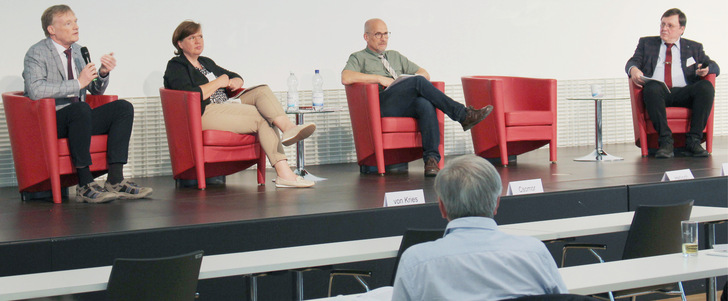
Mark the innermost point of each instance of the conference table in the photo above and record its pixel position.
(245, 263)
(618, 275)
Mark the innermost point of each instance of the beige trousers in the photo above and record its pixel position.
(255, 115)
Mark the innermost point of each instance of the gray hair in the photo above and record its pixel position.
(47, 18)
(468, 186)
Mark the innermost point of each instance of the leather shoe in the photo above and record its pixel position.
(473, 116)
(697, 150)
(431, 167)
(299, 182)
(665, 151)
(297, 133)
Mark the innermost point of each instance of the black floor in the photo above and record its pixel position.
(345, 190)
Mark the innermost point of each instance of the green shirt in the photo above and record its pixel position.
(368, 62)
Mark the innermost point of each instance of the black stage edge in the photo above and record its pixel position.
(239, 216)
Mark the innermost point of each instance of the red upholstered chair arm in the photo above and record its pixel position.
(184, 126)
(366, 121)
(95, 101)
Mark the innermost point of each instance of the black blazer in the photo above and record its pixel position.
(648, 48)
(181, 75)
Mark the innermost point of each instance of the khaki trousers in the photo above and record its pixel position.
(255, 115)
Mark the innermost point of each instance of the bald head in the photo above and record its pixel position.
(370, 24)
(376, 35)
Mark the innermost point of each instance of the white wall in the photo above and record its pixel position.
(263, 40)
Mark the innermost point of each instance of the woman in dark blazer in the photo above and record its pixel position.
(259, 111)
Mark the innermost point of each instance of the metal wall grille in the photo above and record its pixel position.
(333, 143)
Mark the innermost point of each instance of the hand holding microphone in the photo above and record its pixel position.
(87, 58)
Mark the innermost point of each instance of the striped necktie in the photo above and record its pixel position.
(388, 66)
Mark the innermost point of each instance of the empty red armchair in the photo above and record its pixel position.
(524, 115)
(381, 141)
(42, 161)
(678, 119)
(198, 154)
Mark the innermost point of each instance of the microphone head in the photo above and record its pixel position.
(86, 56)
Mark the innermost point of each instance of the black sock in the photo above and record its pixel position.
(116, 173)
(84, 176)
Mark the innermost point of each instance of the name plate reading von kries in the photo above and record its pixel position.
(525, 187)
(677, 175)
(403, 198)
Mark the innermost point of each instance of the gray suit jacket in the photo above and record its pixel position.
(45, 74)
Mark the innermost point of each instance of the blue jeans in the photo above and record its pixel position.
(417, 98)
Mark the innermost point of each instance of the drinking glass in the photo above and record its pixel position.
(689, 238)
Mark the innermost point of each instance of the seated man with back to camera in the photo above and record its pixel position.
(415, 97)
(55, 68)
(474, 261)
(680, 64)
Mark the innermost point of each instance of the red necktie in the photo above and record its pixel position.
(668, 65)
(70, 69)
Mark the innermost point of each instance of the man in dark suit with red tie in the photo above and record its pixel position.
(681, 64)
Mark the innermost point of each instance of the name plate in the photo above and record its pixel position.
(403, 198)
(525, 187)
(677, 175)
(724, 170)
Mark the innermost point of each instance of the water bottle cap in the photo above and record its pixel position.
(317, 71)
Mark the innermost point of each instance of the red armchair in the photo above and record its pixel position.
(524, 115)
(198, 154)
(42, 161)
(381, 141)
(678, 119)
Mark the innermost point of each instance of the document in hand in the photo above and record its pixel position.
(400, 79)
(647, 79)
(237, 93)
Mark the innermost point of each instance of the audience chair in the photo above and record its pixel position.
(655, 230)
(198, 154)
(42, 161)
(678, 119)
(382, 141)
(554, 297)
(524, 115)
(169, 278)
(410, 238)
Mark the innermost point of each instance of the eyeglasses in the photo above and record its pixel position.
(380, 35)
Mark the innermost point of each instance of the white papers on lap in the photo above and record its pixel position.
(647, 79)
(400, 79)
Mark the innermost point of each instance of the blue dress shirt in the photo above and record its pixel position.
(475, 261)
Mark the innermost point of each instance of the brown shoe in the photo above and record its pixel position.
(431, 167)
(473, 116)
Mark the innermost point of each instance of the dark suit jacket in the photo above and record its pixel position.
(648, 48)
(45, 74)
(181, 75)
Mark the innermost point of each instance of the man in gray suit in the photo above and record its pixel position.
(55, 68)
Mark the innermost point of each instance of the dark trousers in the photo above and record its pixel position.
(697, 96)
(416, 97)
(78, 122)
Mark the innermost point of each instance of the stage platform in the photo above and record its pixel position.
(38, 236)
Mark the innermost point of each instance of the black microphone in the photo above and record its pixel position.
(86, 56)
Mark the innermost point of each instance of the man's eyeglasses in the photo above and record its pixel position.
(380, 35)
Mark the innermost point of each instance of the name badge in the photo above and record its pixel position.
(525, 187)
(403, 198)
(677, 175)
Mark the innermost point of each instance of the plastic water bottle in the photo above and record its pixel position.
(292, 99)
(318, 91)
